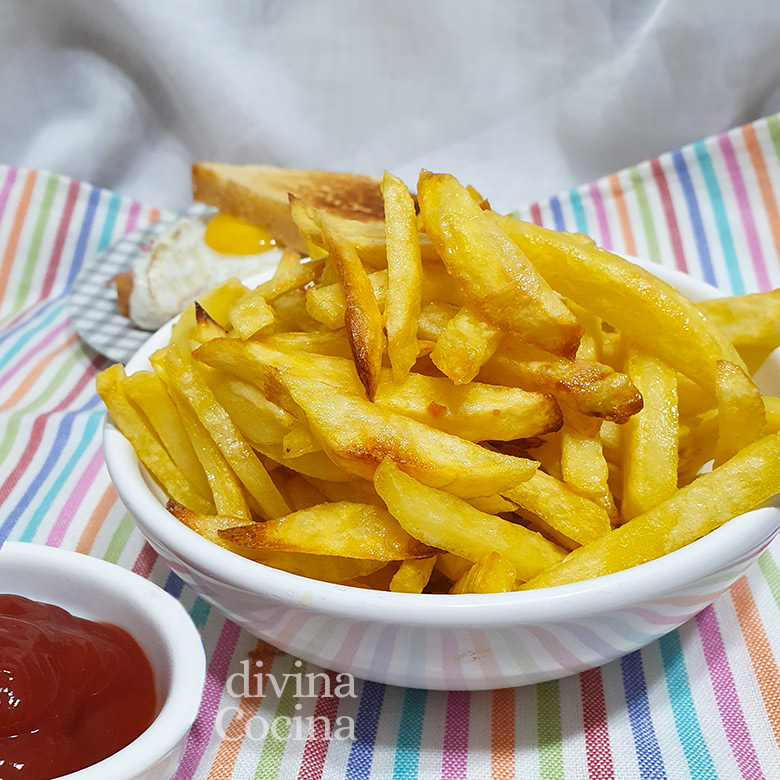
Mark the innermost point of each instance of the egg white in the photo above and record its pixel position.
(180, 266)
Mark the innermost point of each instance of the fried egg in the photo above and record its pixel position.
(192, 256)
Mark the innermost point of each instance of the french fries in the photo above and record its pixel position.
(456, 403)
(495, 276)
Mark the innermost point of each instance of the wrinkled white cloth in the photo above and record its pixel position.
(521, 99)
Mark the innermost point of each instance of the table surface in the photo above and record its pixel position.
(704, 701)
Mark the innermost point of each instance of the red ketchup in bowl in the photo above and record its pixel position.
(72, 691)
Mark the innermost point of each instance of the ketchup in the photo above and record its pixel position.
(72, 691)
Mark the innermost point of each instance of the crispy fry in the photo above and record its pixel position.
(335, 344)
(291, 274)
(227, 436)
(413, 575)
(363, 319)
(559, 507)
(261, 421)
(404, 276)
(492, 574)
(357, 435)
(476, 411)
(749, 478)
(772, 408)
(584, 468)
(327, 304)
(328, 568)
(147, 391)
(650, 445)
(343, 529)
(137, 431)
(750, 322)
(447, 522)
(494, 275)
(464, 346)
(741, 415)
(229, 495)
(593, 389)
(655, 315)
(251, 314)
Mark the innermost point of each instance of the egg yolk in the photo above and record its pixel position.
(230, 235)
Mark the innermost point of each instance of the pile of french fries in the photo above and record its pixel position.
(466, 403)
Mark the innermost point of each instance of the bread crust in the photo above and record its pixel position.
(259, 194)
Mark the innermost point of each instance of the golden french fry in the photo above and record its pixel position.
(594, 389)
(290, 313)
(697, 449)
(585, 469)
(253, 361)
(251, 314)
(357, 435)
(741, 414)
(363, 319)
(302, 494)
(226, 435)
(742, 483)
(651, 437)
(314, 464)
(464, 346)
(334, 344)
(433, 319)
(447, 522)
(342, 528)
(368, 237)
(492, 574)
(404, 276)
(328, 568)
(261, 422)
(560, 508)
(493, 273)
(291, 274)
(207, 526)
(150, 451)
(229, 496)
(492, 505)
(476, 411)
(413, 575)
(219, 301)
(149, 393)
(358, 491)
(299, 441)
(750, 322)
(452, 566)
(772, 408)
(327, 304)
(652, 313)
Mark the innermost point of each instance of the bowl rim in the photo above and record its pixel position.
(166, 618)
(681, 567)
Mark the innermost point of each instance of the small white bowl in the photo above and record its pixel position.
(97, 590)
(450, 641)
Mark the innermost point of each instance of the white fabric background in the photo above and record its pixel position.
(521, 99)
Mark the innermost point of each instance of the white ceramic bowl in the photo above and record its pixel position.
(97, 590)
(447, 641)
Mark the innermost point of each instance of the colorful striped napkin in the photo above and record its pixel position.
(703, 702)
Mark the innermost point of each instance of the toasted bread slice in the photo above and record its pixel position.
(259, 194)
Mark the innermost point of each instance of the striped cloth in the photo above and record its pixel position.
(703, 702)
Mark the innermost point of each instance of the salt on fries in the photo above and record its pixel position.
(465, 404)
